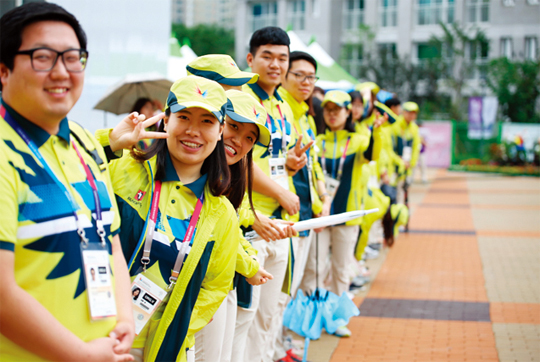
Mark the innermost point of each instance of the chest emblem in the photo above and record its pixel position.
(139, 195)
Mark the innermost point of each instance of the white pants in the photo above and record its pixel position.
(253, 333)
(214, 341)
(339, 242)
(301, 246)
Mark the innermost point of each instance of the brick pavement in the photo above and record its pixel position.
(462, 285)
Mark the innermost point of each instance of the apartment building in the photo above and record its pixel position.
(403, 27)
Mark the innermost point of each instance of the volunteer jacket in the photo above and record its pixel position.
(208, 270)
(349, 195)
(406, 135)
(303, 124)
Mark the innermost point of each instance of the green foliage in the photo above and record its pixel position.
(206, 39)
(517, 86)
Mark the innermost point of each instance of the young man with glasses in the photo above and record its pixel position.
(308, 182)
(59, 219)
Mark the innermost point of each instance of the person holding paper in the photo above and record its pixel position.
(59, 224)
(269, 57)
(341, 157)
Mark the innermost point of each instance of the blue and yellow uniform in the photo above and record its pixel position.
(406, 135)
(349, 195)
(207, 274)
(278, 112)
(38, 225)
(303, 124)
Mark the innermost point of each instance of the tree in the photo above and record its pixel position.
(206, 39)
(517, 87)
(452, 45)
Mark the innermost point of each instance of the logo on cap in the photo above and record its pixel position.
(256, 114)
(203, 94)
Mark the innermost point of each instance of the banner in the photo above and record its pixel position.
(438, 141)
(482, 115)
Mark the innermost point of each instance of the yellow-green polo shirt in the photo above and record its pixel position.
(37, 223)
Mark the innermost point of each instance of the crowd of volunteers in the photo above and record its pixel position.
(171, 237)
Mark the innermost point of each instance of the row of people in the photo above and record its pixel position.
(95, 235)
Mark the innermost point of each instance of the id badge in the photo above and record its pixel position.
(278, 172)
(146, 297)
(372, 182)
(407, 153)
(332, 186)
(97, 272)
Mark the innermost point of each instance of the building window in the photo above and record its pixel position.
(478, 56)
(263, 15)
(297, 14)
(387, 51)
(478, 11)
(442, 58)
(531, 48)
(388, 13)
(435, 11)
(506, 48)
(352, 58)
(353, 14)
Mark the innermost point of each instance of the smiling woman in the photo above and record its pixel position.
(182, 234)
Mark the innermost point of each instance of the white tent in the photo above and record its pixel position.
(179, 57)
(332, 75)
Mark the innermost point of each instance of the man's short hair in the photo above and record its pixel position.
(270, 35)
(13, 22)
(392, 102)
(297, 55)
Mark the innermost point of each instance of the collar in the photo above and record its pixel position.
(256, 88)
(299, 109)
(196, 186)
(37, 134)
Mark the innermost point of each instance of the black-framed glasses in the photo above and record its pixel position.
(44, 59)
(302, 77)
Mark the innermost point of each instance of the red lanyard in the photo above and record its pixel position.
(341, 161)
(145, 260)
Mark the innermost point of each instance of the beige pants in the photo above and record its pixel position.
(301, 247)
(253, 332)
(337, 242)
(214, 341)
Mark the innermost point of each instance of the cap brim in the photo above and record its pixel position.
(194, 104)
(382, 108)
(236, 80)
(264, 134)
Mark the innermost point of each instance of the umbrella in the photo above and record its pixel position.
(120, 97)
(308, 314)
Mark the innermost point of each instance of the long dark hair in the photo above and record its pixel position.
(241, 178)
(215, 165)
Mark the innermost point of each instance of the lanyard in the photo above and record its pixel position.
(309, 166)
(89, 176)
(150, 230)
(341, 161)
(283, 132)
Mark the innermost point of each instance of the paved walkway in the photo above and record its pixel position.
(462, 285)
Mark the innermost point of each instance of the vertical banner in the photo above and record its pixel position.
(475, 117)
(482, 116)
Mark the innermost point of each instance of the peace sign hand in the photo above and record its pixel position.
(297, 157)
(132, 129)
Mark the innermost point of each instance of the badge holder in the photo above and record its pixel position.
(146, 296)
(98, 277)
(332, 186)
(278, 172)
(407, 153)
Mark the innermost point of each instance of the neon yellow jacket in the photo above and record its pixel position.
(406, 134)
(208, 271)
(349, 196)
(304, 125)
